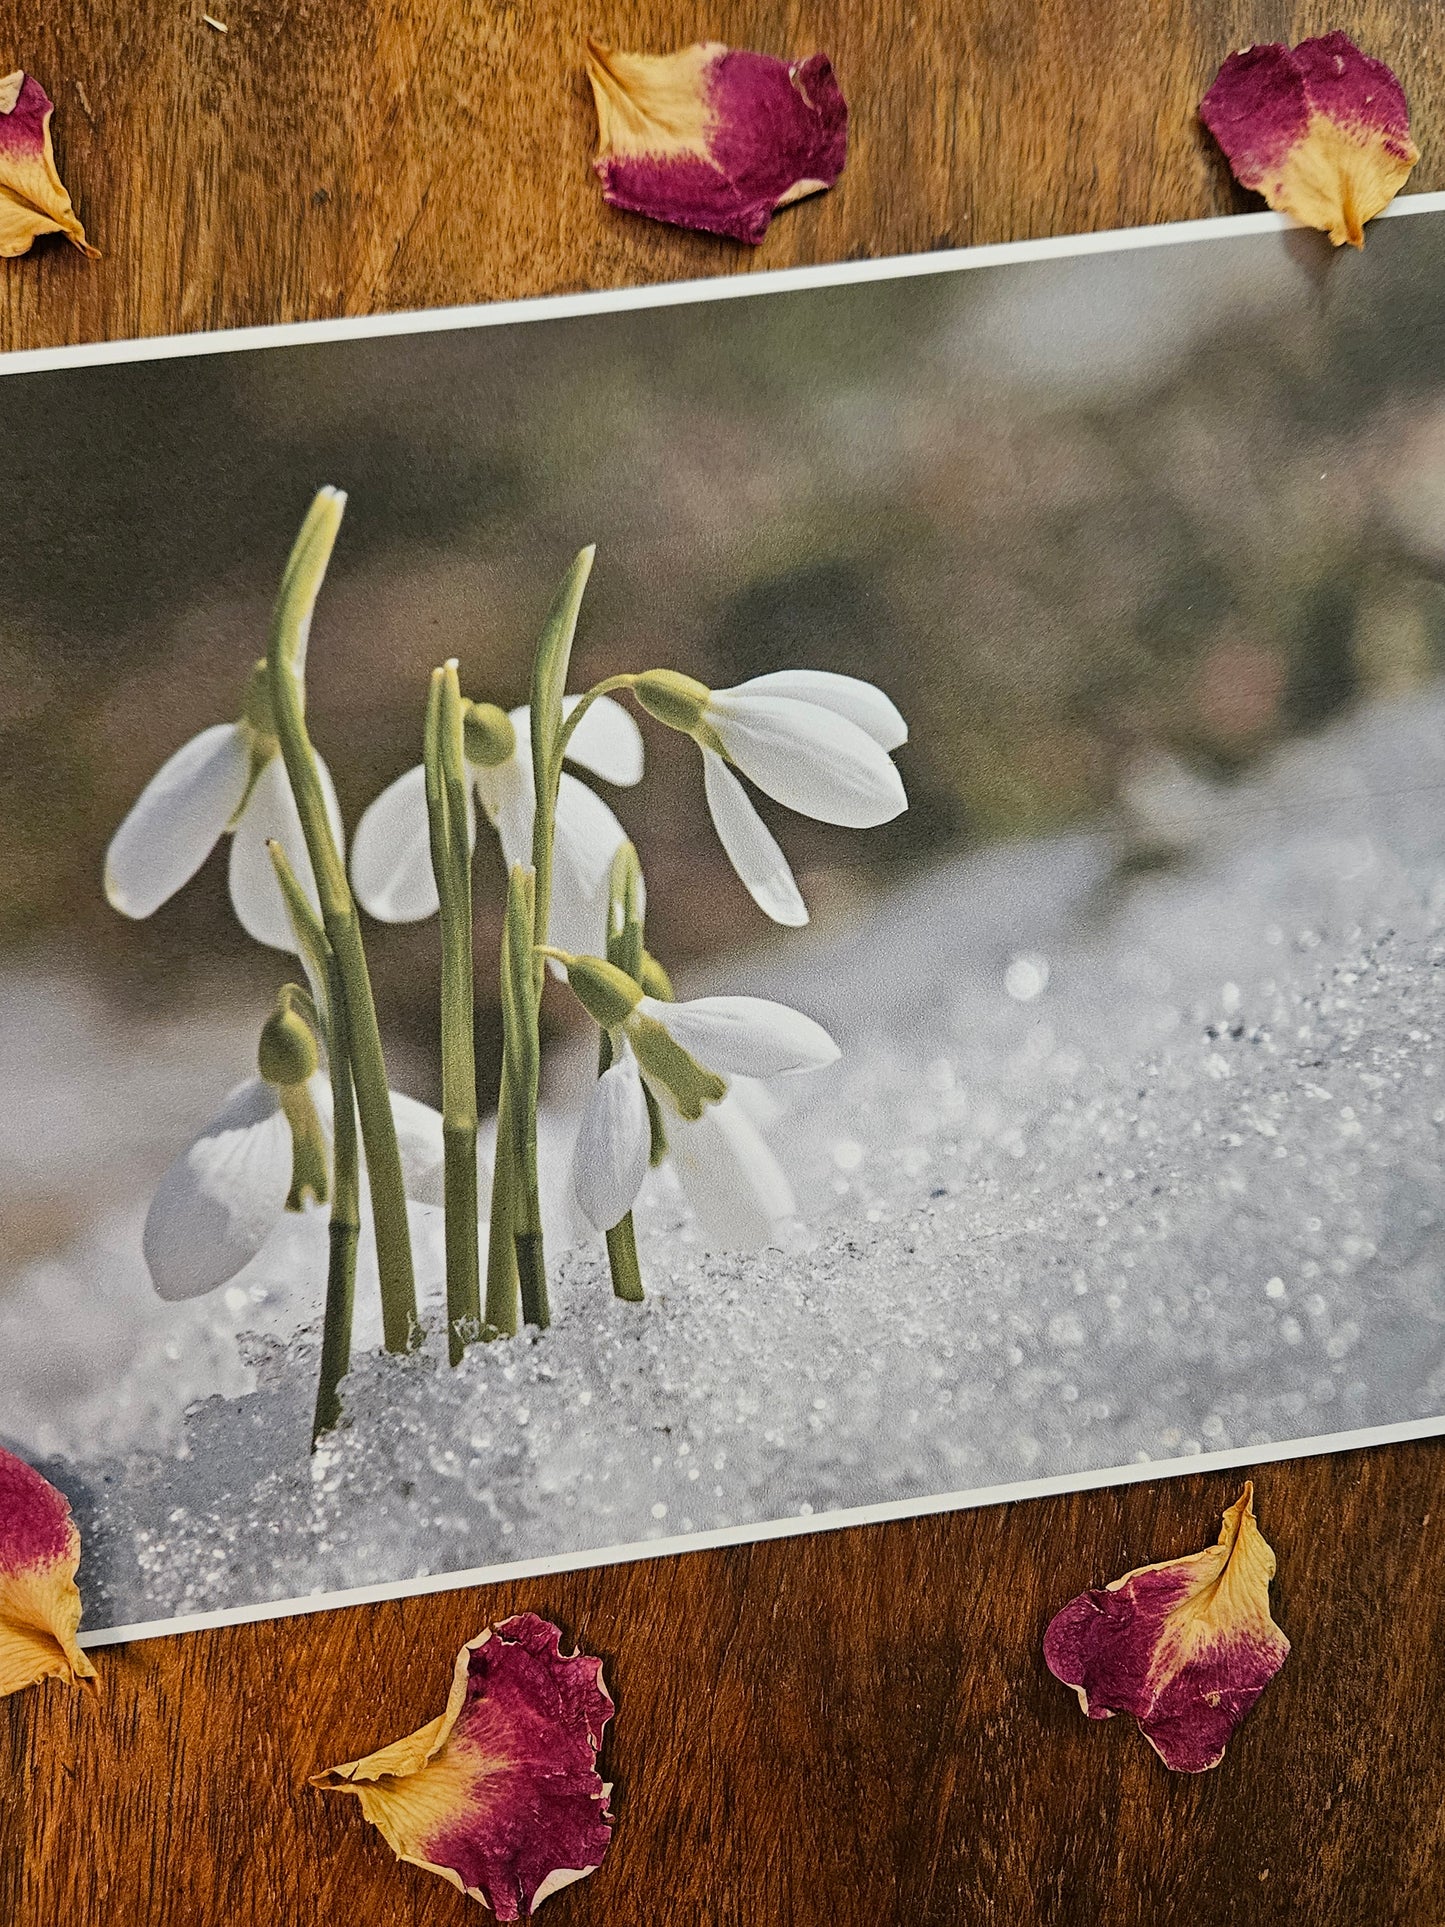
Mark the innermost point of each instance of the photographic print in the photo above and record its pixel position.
(638, 920)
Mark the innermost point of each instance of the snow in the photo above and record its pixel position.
(1111, 1170)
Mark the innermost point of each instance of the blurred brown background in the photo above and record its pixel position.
(1065, 542)
(846, 1729)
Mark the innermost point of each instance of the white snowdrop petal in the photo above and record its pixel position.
(422, 1146)
(607, 741)
(588, 838)
(177, 820)
(270, 816)
(751, 846)
(810, 759)
(754, 1097)
(506, 797)
(736, 1187)
(220, 1200)
(614, 1143)
(391, 869)
(746, 1036)
(861, 702)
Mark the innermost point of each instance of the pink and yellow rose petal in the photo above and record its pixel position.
(33, 200)
(39, 1601)
(499, 1795)
(1320, 130)
(715, 138)
(1186, 1646)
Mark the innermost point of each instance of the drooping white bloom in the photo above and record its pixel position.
(391, 869)
(614, 1145)
(224, 1195)
(735, 1184)
(817, 742)
(228, 778)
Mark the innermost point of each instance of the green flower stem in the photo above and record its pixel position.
(451, 855)
(622, 1259)
(529, 904)
(580, 708)
(624, 948)
(519, 1008)
(549, 734)
(345, 1227)
(502, 1311)
(286, 666)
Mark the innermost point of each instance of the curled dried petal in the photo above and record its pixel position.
(33, 199)
(500, 1794)
(713, 137)
(1186, 1646)
(1321, 131)
(39, 1602)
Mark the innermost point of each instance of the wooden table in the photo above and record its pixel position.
(853, 1727)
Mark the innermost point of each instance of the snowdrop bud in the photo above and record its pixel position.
(488, 735)
(664, 1061)
(677, 700)
(607, 994)
(287, 1053)
(257, 711)
(655, 980)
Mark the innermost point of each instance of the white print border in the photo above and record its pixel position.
(929, 1506)
(670, 294)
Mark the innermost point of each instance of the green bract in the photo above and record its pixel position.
(489, 734)
(677, 700)
(287, 1053)
(607, 994)
(690, 1085)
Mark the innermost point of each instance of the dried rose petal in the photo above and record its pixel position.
(1323, 132)
(500, 1795)
(1187, 1647)
(714, 138)
(39, 1603)
(33, 199)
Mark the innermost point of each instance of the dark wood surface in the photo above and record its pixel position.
(852, 1727)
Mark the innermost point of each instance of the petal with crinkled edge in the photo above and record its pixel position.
(1320, 130)
(714, 137)
(221, 1199)
(33, 200)
(39, 1601)
(1186, 1646)
(500, 1795)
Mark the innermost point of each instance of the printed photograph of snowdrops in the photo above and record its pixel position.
(985, 1020)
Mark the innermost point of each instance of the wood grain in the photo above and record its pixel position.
(854, 1727)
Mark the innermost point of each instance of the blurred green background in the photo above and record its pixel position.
(1069, 514)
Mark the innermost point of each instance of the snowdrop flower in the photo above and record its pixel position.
(735, 1186)
(682, 1054)
(230, 778)
(391, 869)
(816, 742)
(267, 1151)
